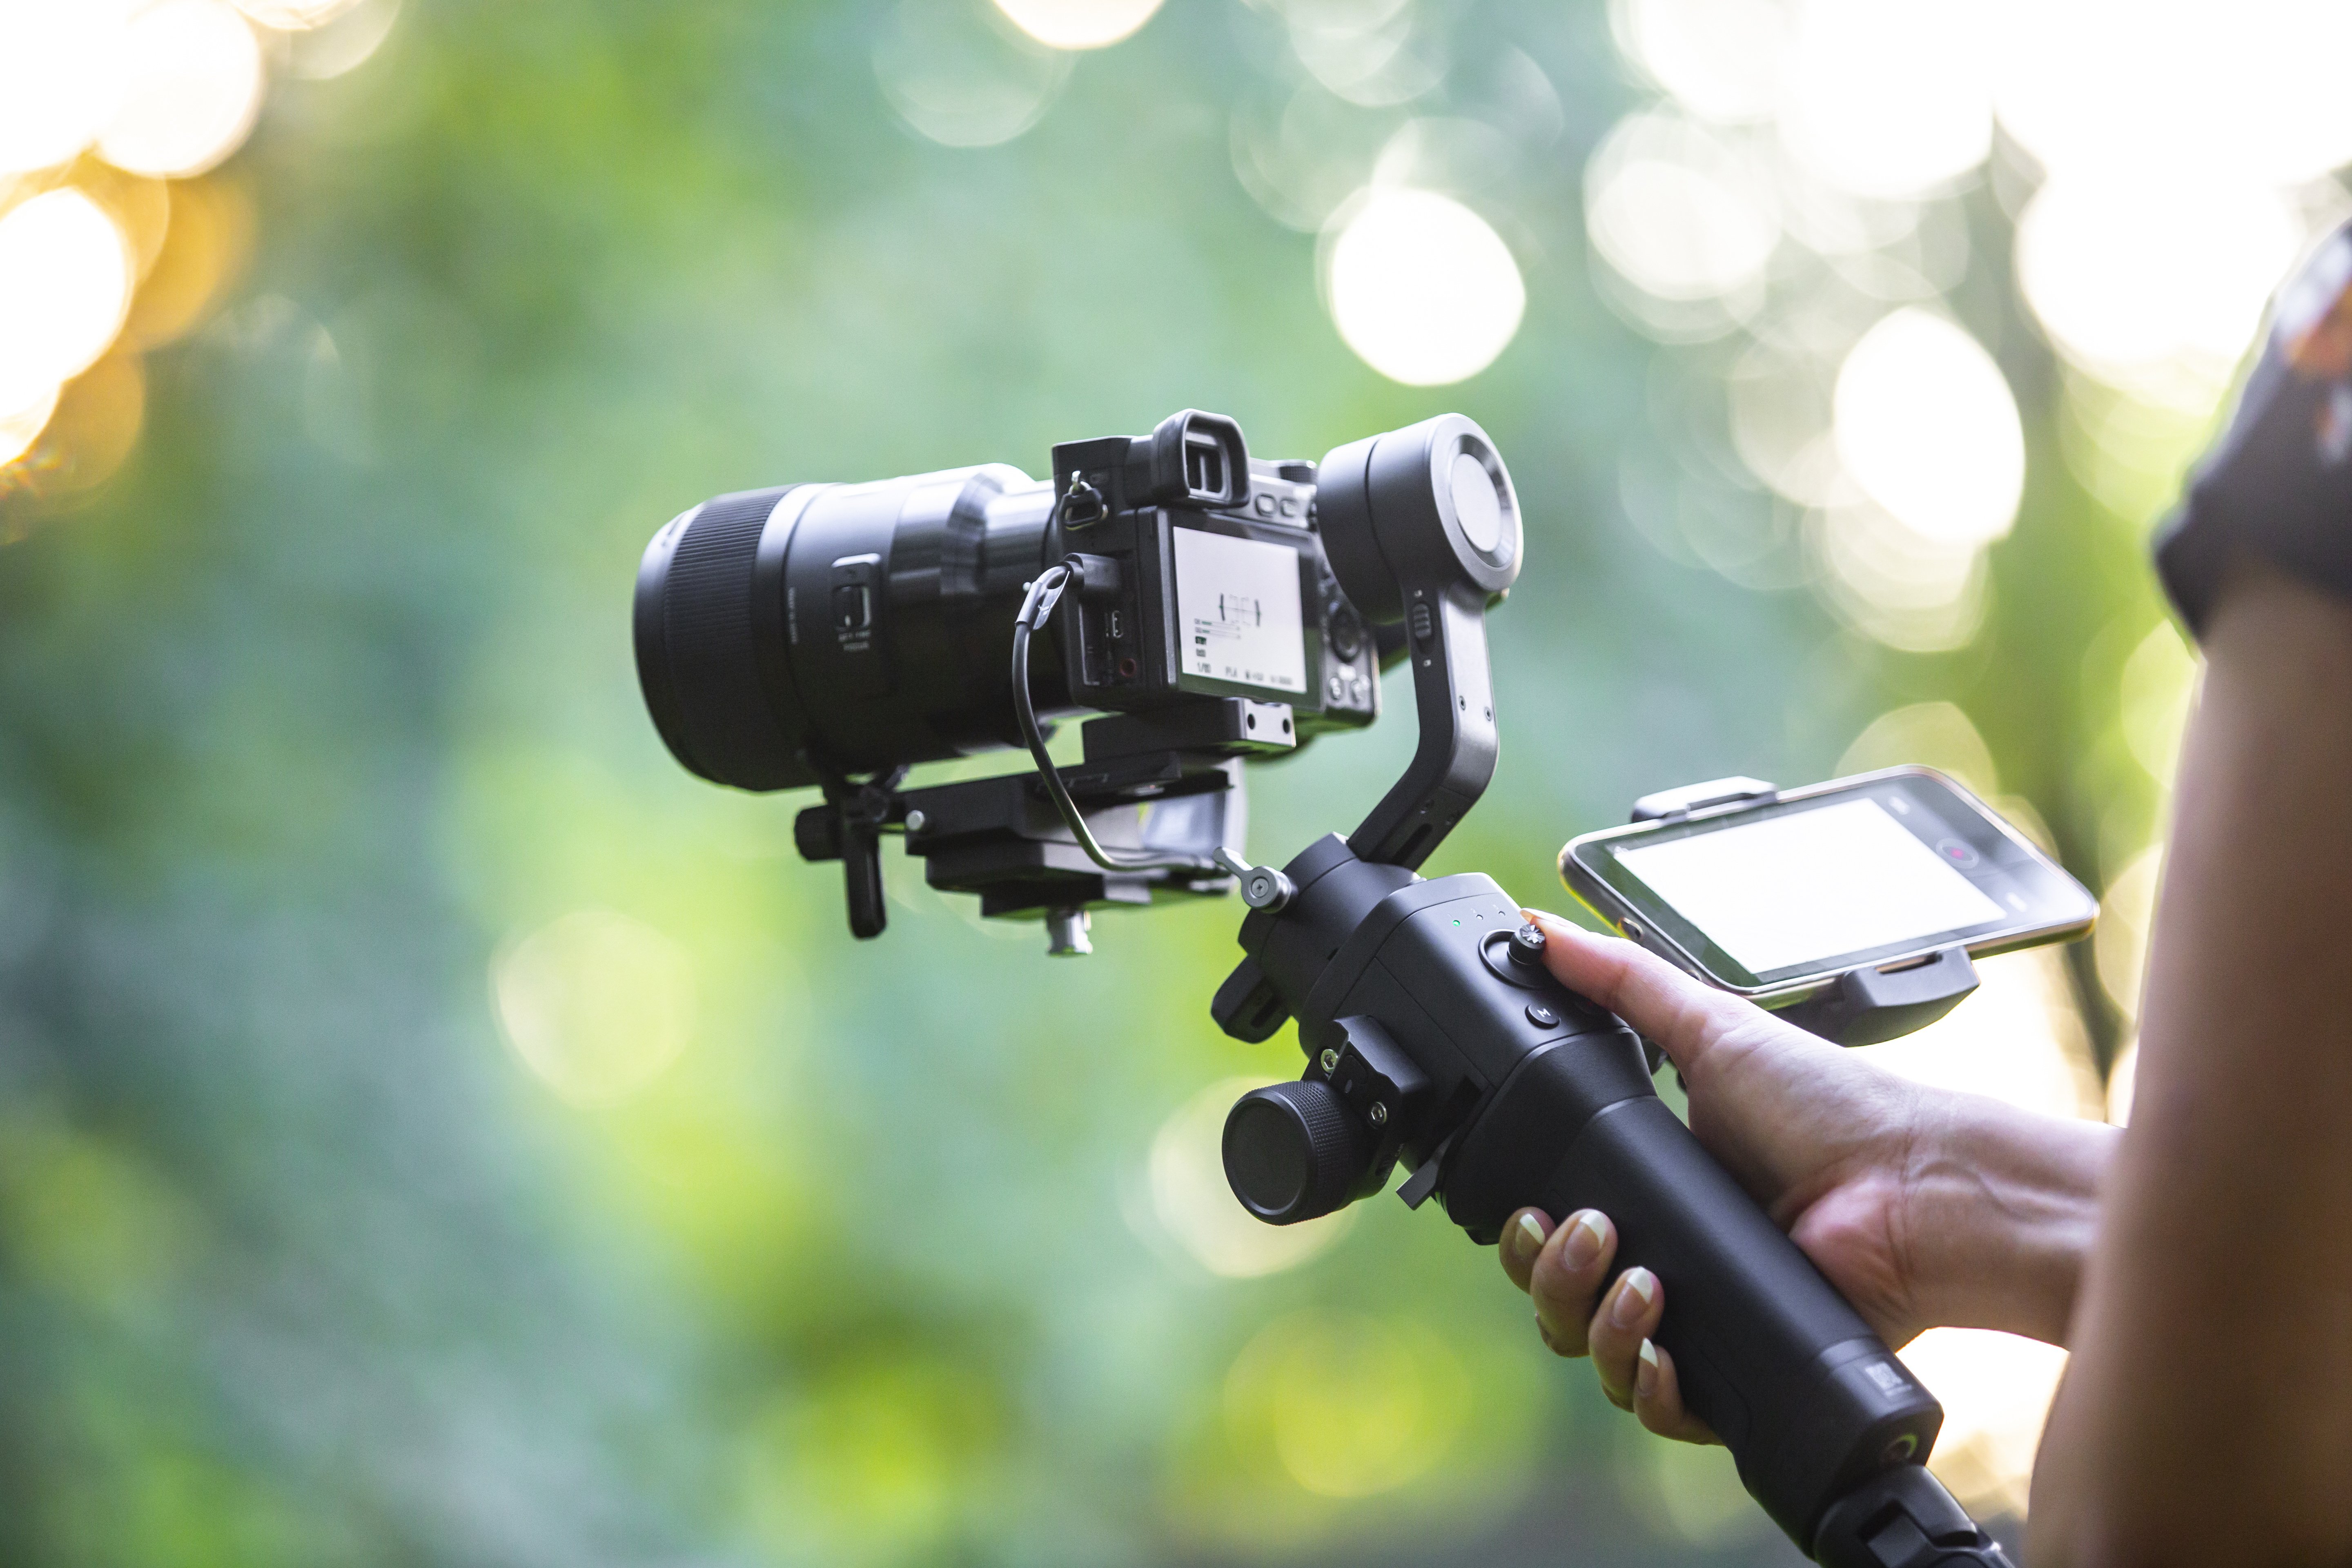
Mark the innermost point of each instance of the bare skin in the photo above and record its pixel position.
(2232, 1201)
(2223, 1216)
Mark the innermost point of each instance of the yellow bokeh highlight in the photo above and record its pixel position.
(20, 429)
(1350, 1406)
(203, 252)
(1194, 1204)
(596, 1005)
(873, 1462)
(90, 432)
(64, 283)
(2127, 916)
(1938, 735)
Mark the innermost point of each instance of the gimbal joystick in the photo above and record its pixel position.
(1412, 997)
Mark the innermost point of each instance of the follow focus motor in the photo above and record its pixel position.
(1212, 608)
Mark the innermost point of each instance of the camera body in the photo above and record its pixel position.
(1204, 575)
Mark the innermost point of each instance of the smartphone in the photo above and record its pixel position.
(1774, 898)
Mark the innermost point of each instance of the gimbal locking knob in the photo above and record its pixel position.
(1294, 1151)
(1263, 886)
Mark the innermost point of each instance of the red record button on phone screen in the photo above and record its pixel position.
(1958, 853)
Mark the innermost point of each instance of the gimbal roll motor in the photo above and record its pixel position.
(1213, 608)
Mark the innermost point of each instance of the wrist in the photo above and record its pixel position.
(2002, 1208)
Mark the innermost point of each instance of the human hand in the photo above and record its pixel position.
(1921, 1206)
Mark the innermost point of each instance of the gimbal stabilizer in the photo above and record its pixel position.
(1433, 1034)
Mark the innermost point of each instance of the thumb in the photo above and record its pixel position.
(1687, 1019)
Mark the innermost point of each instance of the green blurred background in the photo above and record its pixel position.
(435, 1128)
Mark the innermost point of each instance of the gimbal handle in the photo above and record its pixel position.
(1427, 1040)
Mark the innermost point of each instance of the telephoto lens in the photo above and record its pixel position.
(789, 633)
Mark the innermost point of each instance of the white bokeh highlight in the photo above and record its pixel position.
(1421, 288)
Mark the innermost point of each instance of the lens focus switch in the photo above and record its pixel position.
(1294, 1151)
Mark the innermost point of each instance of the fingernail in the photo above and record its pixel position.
(1586, 1233)
(1635, 1291)
(1645, 1376)
(1531, 1236)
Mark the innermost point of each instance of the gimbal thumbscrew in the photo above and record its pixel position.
(1379, 1114)
(1263, 886)
(1329, 1059)
(917, 821)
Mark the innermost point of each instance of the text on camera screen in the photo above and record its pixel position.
(1237, 609)
(1811, 886)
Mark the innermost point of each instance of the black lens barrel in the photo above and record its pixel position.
(698, 657)
(790, 633)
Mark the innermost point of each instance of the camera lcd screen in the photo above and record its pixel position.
(1238, 612)
(1876, 869)
(1802, 889)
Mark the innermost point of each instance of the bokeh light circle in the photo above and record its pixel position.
(596, 1005)
(1079, 23)
(1194, 1205)
(19, 428)
(64, 283)
(1886, 99)
(1677, 214)
(294, 16)
(193, 86)
(60, 77)
(2251, 89)
(960, 81)
(1720, 59)
(1423, 288)
(2154, 284)
(1926, 424)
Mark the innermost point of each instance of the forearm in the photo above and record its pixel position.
(2004, 1211)
(2203, 1415)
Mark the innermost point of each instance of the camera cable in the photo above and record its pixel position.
(1043, 595)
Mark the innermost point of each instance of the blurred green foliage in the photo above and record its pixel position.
(327, 700)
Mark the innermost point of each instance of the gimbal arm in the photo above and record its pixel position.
(1422, 526)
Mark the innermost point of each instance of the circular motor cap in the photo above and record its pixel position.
(1431, 505)
(1293, 1150)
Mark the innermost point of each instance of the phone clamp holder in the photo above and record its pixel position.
(1862, 1007)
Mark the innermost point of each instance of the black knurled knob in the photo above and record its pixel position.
(1294, 1151)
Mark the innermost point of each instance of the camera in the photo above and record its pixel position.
(835, 636)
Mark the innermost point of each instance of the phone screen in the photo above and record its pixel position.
(1864, 871)
(1802, 889)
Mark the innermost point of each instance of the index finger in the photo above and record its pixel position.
(1688, 1020)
